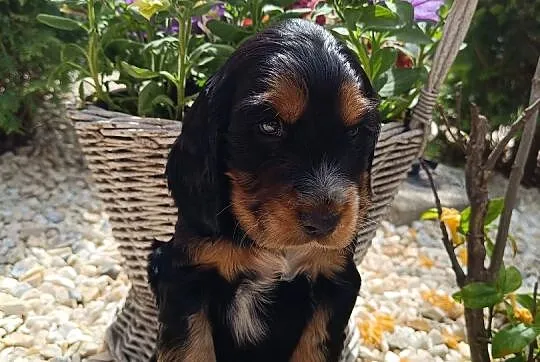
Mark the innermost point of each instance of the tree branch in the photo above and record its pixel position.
(457, 139)
(477, 192)
(460, 275)
(514, 129)
(510, 198)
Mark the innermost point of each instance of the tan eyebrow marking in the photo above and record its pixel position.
(353, 104)
(288, 96)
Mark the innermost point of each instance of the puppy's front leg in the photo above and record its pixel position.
(185, 333)
(312, 344)
(188, 341)
(334, 299)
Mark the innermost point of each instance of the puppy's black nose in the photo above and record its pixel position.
(319, 223)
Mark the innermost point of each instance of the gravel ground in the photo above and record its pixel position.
(61, 280)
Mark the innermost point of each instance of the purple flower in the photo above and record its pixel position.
(426, 10)
(198, 23)
(129, 2)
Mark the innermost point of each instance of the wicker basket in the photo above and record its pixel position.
(127, 156)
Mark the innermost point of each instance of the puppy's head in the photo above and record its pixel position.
(279, 145)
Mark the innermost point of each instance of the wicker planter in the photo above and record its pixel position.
(127, 156)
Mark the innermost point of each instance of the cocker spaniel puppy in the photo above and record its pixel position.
(271, 176)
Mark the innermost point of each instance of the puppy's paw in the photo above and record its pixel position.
(159, 263)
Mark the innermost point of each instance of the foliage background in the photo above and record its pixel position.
(29, 53)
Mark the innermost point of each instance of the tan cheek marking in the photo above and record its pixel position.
(199, 347)
(288, 97)
(311, 347)
(353, 104)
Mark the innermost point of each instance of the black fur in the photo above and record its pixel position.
(220, 134)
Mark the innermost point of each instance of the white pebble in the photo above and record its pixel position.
(391, 357)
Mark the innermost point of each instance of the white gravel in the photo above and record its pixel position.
(61, 280)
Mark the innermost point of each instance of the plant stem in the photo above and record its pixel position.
(184, 20)
(458, 271)
(510, 198)
(92, 57)
(476, 335)
(533, 345)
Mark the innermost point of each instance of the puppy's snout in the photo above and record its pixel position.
(319, 223)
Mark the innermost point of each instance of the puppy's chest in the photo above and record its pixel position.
(269, 305)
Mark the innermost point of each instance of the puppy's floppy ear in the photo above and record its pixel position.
(193, 170)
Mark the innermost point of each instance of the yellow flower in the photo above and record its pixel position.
(452, 218)
(463, 256)
(148, 8)
(523, 315)
(451, 340)
(444, 302)
(426, 261)
(372, 330)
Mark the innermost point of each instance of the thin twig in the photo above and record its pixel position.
(457, 139)
(460, 275)
(510, 198)
(514, 129)
(533, 345)
(490, 322)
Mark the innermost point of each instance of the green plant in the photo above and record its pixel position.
(486, 283)
(28, 55)
(146, 47)
(394, 45)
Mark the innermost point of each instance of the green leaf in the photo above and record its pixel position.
(458, 297)
(163, 99)
(508, 280)
(227, 32)
(372, 18)
(464, 220)
(146, 98)
(270, 8)
(82, 96)
(381, 60)
(291, 14)
(526, 301)
(398, 81)
(282, 3)
(170, 77)
(431, 214)
(139, 73)
(203, 8)
(404, 9)
(340, 30)
(495, 207)
(59, 22)
(512, 340)
(411, 34)
(480, 295)
(490, 246)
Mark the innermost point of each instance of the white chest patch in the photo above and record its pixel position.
(246, 315)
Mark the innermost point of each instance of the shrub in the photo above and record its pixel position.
(29, 55)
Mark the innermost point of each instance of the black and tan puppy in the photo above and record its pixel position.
(271, 178)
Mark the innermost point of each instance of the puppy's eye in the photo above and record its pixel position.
(353, 132)
(271, 128)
